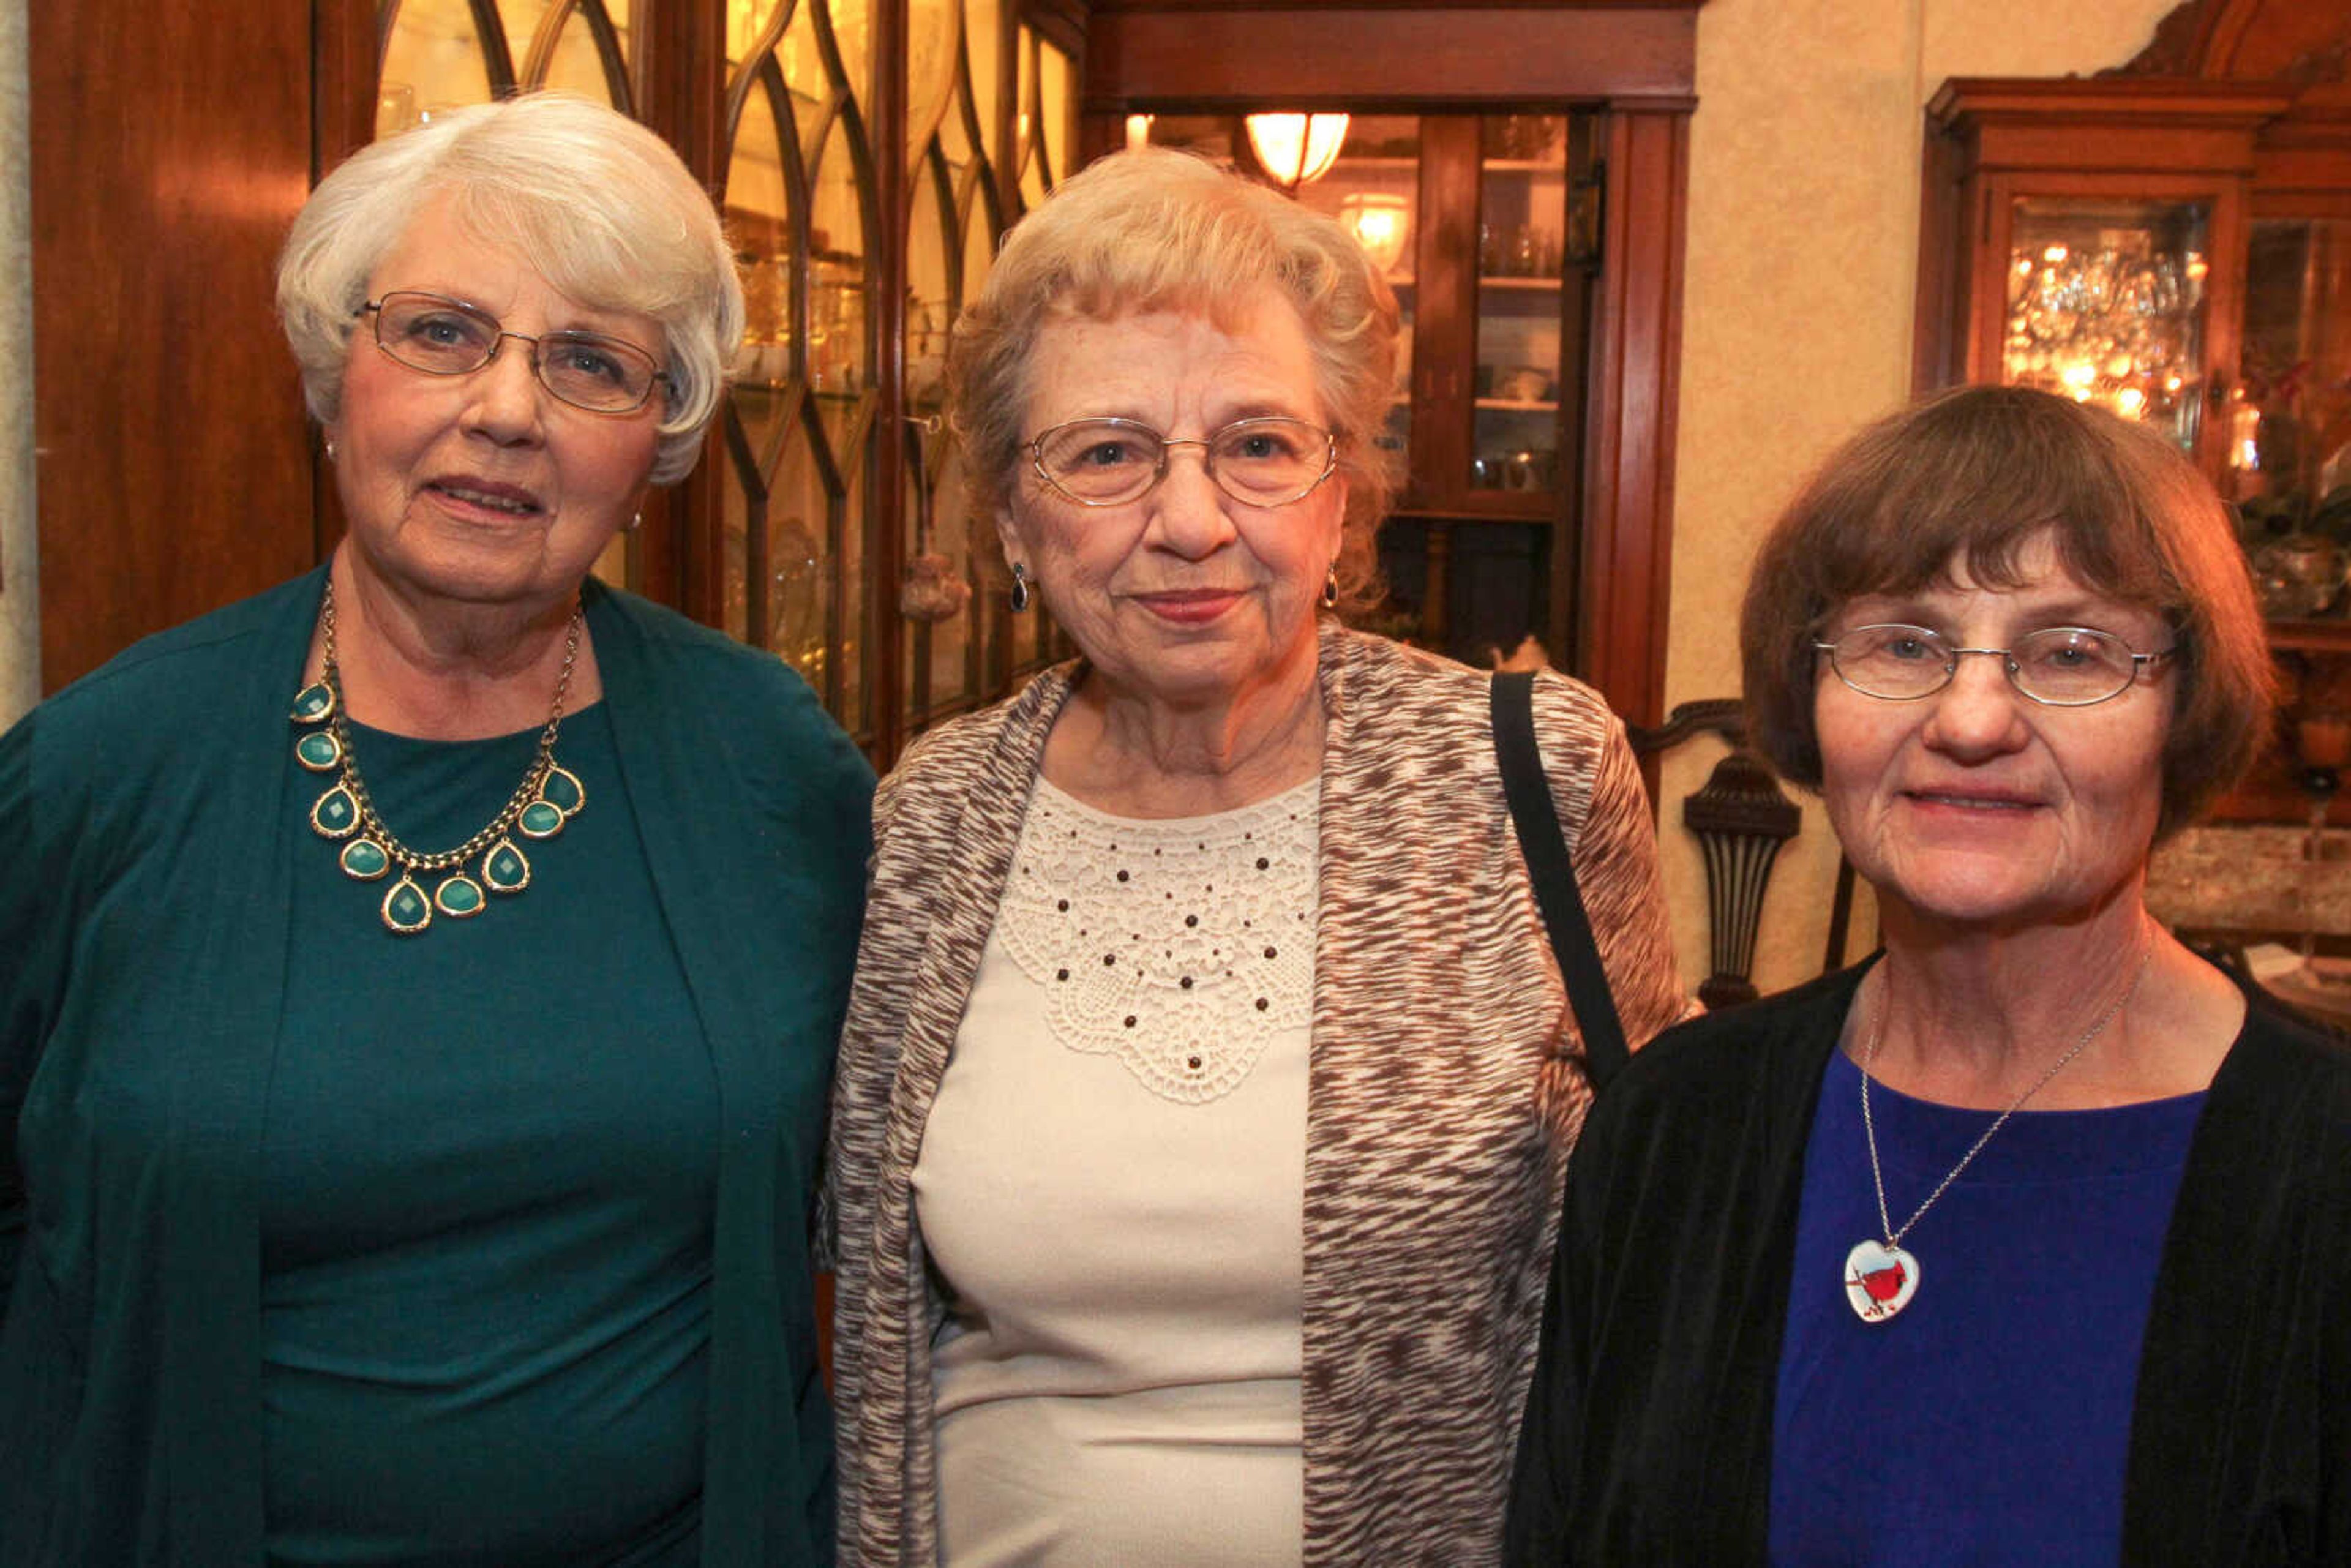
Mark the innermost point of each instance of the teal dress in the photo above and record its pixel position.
(484, 1246)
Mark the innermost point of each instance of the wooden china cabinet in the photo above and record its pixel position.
(2172, 240)
(1520, 171)
(868, 155)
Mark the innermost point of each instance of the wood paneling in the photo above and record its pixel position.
(1636, 385)
(172, 147)
(1389, 58)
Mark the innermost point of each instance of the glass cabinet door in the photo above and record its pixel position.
(1521, 242)
(2289, 437)
(798, 421)
(2105, 304)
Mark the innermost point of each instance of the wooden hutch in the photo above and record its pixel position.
(2173, 239)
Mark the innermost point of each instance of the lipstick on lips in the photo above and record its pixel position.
(1189, 606)
(486, 495)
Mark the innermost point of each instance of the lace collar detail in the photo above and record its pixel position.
(1179, 946)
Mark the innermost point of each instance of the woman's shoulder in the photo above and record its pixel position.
(182, 664)
(722, 670)
(1731, 1054)
(2283, 1059)
(949, 756)
(1396, 689)
(159, 701)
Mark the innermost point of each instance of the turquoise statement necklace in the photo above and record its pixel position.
(549, 796)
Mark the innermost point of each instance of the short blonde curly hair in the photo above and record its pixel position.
(597, 203)
(1155, 229)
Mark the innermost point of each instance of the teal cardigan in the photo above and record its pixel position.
(148, 837)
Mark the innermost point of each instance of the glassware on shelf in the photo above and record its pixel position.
(2297, 576)
(2106, 305)
(2289, 448)
(1523, 217)
(395, 109)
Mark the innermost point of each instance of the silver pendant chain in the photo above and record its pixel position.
(1869, 1128)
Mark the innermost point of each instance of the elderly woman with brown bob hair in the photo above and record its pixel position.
(2026, 1240)
(1208, 1080)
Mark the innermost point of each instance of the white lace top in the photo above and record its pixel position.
(1111, 1187)
(1179, 946)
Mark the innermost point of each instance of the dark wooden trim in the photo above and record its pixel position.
(1627, 537)
(2276, 40)
(886, 500)
(173, 146)
(2150, 105)
(1105, 7)
(1725, 716)
(349, 60)
(681, 555)
(1445, 357)
(1373, 59)
(1939, 314)
(1062, 24)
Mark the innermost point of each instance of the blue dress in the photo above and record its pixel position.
(1996, 1407)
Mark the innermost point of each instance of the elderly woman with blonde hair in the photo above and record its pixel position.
(422, 978)
(1209, 1077)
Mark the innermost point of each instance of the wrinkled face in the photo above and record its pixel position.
(484, 488)
(1186, 595)
(1976, 806)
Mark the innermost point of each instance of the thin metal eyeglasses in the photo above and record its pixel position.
(2058, 666)
(1269, 461)
(446, 337)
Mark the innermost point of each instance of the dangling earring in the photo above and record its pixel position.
(1330, 588)
(1019, 588)
(636, 521)
(331, 449)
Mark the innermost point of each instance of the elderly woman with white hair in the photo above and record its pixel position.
(422, 978)
(1208, 1078)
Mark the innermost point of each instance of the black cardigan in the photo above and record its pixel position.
(1649, 1431)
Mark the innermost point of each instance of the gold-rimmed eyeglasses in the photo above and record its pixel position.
(2059, 666)
(1268, 461)
(446, 337)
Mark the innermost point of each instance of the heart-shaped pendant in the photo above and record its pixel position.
(1879, 1281)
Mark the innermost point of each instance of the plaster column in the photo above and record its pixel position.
(20, 599)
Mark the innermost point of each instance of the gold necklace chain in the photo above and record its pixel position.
(548, 797)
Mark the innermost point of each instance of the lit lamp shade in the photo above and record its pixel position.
(1380, 224)
(1297, 149)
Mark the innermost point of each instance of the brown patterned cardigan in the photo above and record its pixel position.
(1444, 1089)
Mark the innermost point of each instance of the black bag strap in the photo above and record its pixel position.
(1562, 902)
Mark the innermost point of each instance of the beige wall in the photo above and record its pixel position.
(1804, 218)
(20, 621)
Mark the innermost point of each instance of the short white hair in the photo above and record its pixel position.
(598, 203)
